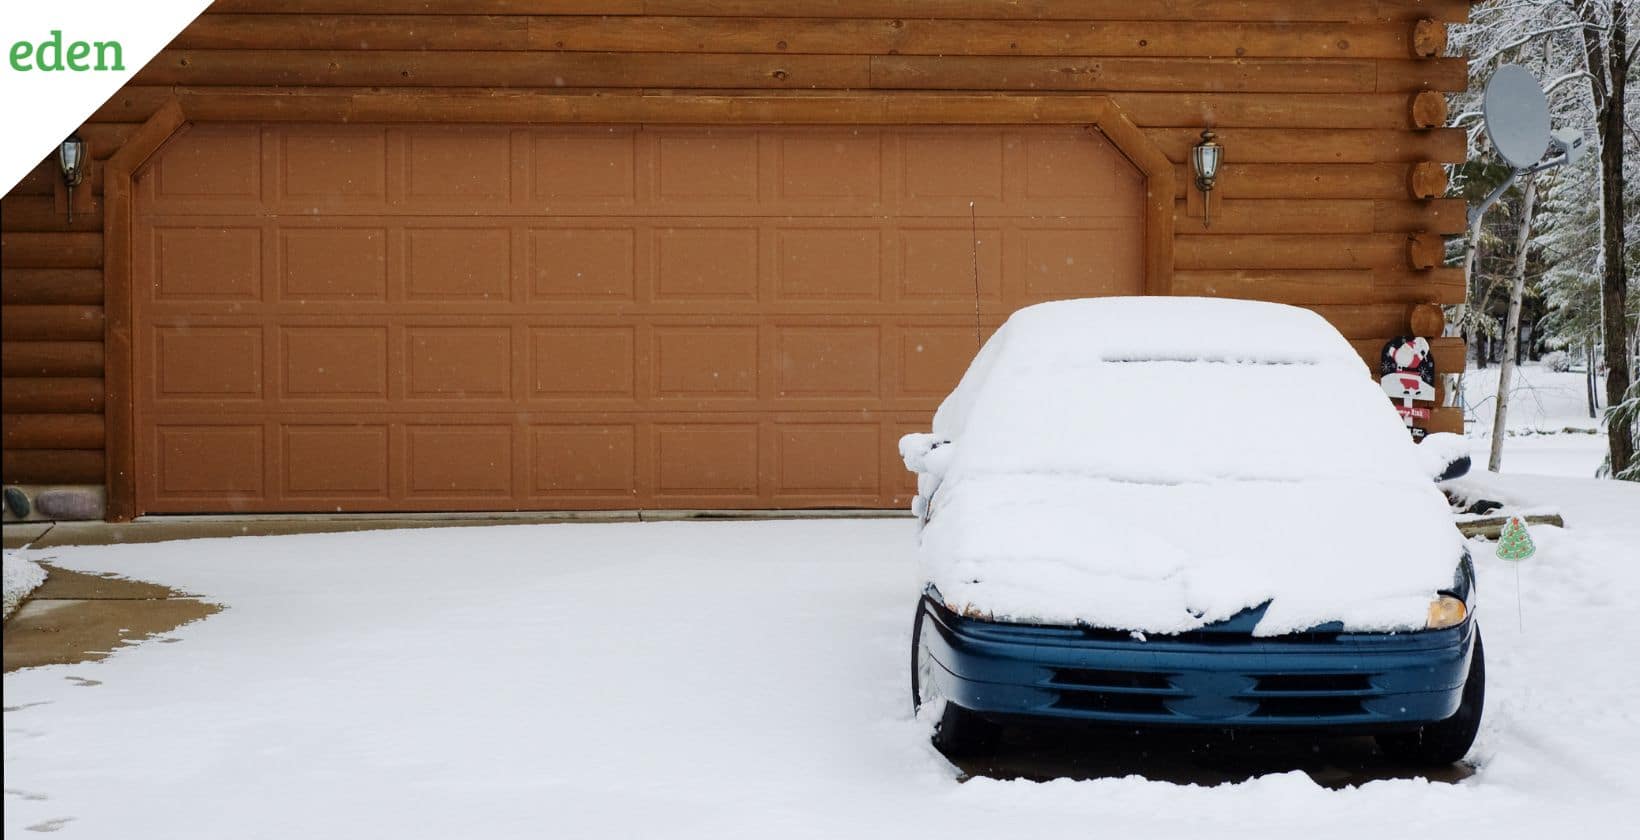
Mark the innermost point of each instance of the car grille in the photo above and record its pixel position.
(1208, 695)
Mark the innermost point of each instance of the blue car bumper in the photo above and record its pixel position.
(1221, 677)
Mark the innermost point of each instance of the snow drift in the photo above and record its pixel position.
(1159, 464)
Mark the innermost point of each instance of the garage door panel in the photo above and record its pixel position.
(194, 263)
(594, 168)
(815, 461)
(459, 460)
(939, 262)
(381, 318)
(458, 362)
(592, 263)
(1068, 262)
(945, 165)
(705, 263)
(207, 363)
(333, 264)
(333, 362)
(583, 362)
(828, 264)
(932, 359)
(707, 459)
(207, 168)
(217, 461)
(328, 461)
(331, 168)
(584, 459)
(469, 167)
(458, 264)
(828, 362)
(830, 166)
(705, 362)
(700, 168)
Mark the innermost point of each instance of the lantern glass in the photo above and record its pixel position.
(1206, 158)
(71, 156)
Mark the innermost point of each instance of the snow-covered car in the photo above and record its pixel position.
(1188, 512)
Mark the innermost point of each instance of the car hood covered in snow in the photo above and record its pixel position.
(1160, 464)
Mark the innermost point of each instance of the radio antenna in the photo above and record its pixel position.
(973, 232)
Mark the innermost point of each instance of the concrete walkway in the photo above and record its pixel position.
(75, 617)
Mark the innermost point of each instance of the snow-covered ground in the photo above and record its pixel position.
(20, 576)
(1551, 432)
(717, 680)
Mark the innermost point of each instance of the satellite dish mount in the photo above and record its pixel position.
(1517, 121)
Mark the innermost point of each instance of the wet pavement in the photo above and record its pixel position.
(76, 617)
(1201, 758)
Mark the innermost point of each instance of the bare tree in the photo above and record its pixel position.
(1511, 330)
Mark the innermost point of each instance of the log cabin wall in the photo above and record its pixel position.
(1331, 114)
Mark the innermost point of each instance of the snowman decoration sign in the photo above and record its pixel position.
(1409, 376)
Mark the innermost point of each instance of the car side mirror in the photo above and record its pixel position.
(926, 454)
(1445, 456)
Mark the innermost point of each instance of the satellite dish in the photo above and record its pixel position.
(1517, 116)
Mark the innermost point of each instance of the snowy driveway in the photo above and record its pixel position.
(699, 680)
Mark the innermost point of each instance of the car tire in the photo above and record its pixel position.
(959, 731)
(1448, 741)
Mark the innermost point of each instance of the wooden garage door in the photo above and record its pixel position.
(386, 318)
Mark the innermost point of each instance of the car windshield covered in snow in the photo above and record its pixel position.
(1159, 464)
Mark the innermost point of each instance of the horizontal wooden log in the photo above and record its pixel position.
(1429, 74)
(1312, 286)
(1456, 11)
(51, 323)
(1363, 320)
(491, 104)
(52, 358)
(214, 31)
(1157, 74)
(504, 69)
(1447, 352)
(1251, 251)
(1438, 216)
(1491, 527)
(795, 36)
(1256, 145)
(52, 431)
(50, 250)
(53, 466)
(39, 213)
(45, 179)
(78, 395)
(1275, 216)
(1302, 180)
(712, 70)
(48, 286)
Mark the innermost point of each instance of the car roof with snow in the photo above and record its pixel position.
(1157, 464)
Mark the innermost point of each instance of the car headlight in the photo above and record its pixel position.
(1446, 611)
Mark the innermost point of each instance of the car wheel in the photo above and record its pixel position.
(1449, 740)
(958, 732)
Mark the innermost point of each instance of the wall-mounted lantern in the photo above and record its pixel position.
(71, 160)
(1204, 159)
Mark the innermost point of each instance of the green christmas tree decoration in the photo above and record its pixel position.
(1515, 543)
